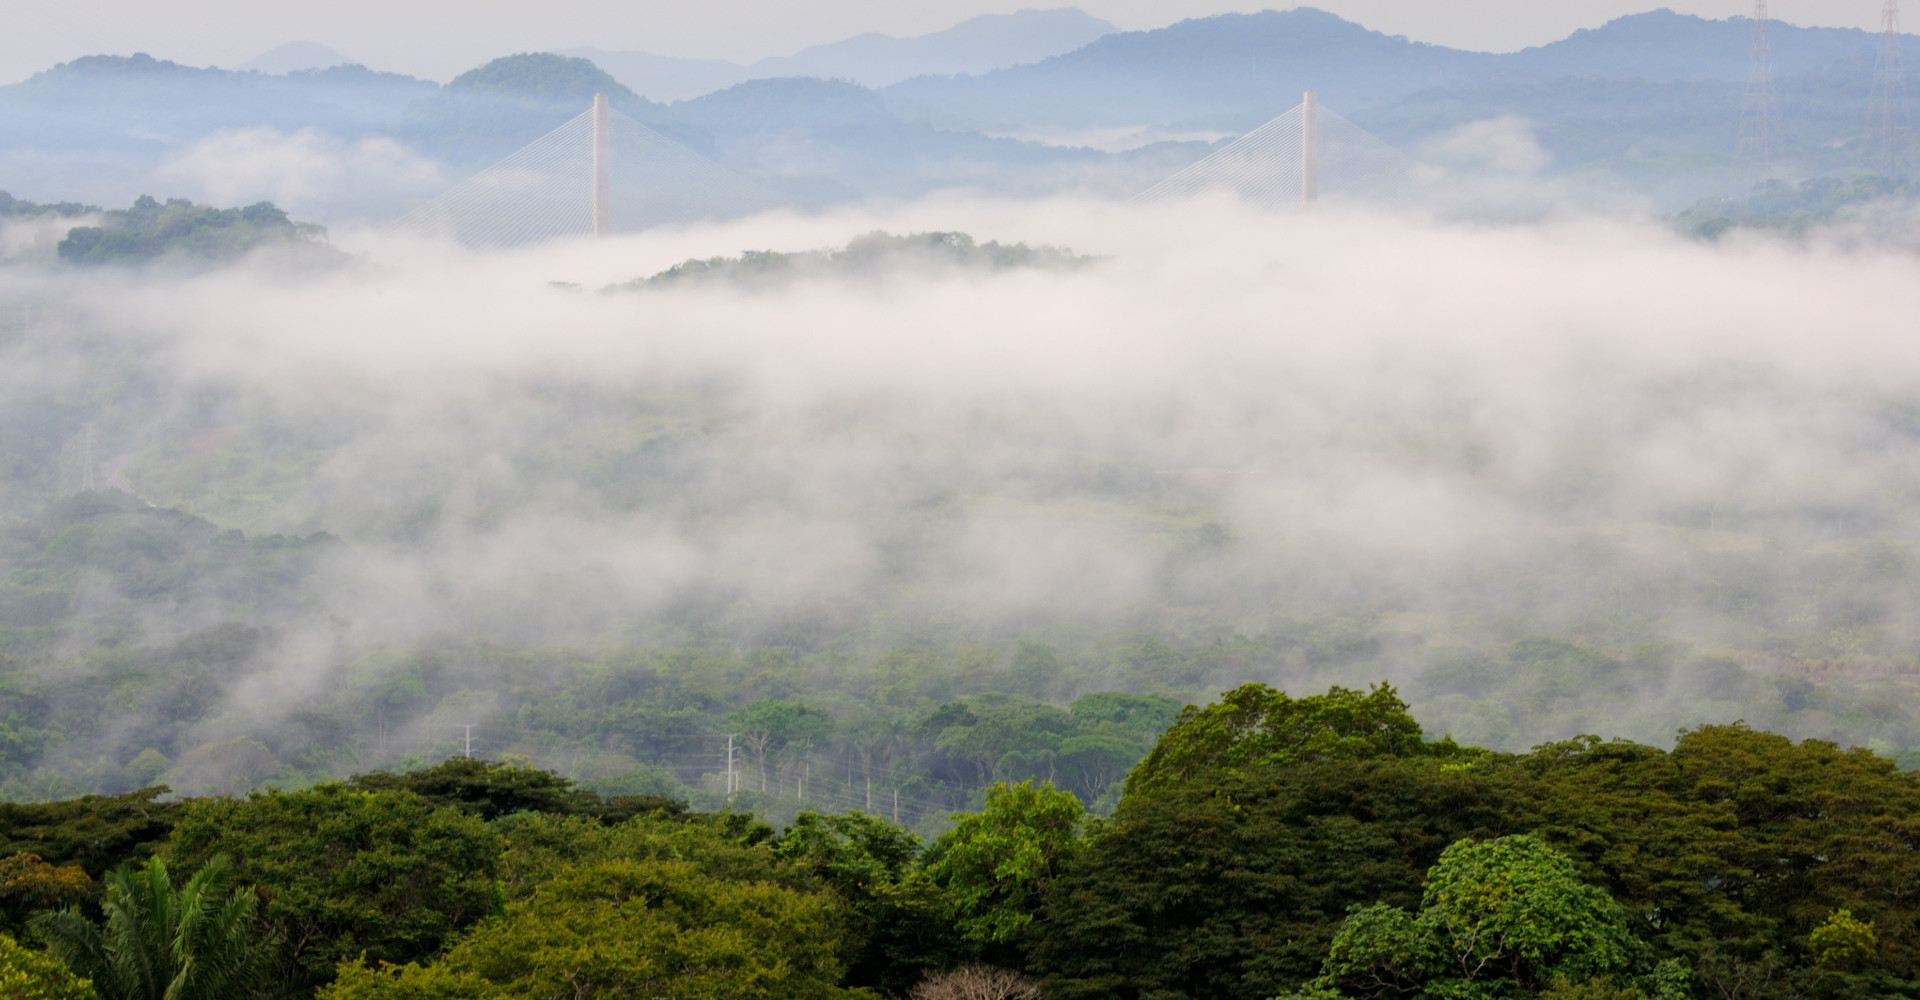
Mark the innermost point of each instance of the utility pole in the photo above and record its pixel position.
(602, 169)
(1890, 128)
(469, 750)
(1759, 137)
(1310, 148)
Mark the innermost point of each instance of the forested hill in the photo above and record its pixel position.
(1311, 848)
(180, 231)
(494, 109)
(138, 102)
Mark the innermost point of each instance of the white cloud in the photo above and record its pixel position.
(309, 172)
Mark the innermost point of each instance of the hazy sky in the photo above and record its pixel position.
(439, 38)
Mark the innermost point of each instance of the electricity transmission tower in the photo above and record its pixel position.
(1889, 127)
(1759, 139)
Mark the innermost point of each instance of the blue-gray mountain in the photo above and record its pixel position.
(1648, 102)
(1236, 70)
(977, 45)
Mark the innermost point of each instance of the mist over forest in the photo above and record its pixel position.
(1583, 477)
(1250, 509)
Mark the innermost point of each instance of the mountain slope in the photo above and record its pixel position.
(977, 45)
(1236, 70)
(295, 56)
(1662, 46)
(488, 112)
(138, 101)
(826, 140)
(1231, 71)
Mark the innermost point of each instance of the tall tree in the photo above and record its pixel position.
(631, 928)
(1255, 726)
(901, 924)
(997, 863)
(199, 942)
(343, 872)
(1505, 917)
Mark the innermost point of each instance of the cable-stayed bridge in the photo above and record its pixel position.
(598, 174)
(602, 173)
(1293, 160)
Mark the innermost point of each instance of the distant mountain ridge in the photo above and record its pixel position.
(491, 110)
(294, 57)
(1649, 98)
(134, 101)
(1234, 70)
(976, 45)
(1230, 70)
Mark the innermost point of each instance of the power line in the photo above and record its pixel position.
(1289, 160)
(598, 172)
(1889, 125)
(1759, 140)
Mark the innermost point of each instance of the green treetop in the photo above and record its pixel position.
(1501, 918)
(1256, 726)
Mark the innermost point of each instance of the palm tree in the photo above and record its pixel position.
(199, 943)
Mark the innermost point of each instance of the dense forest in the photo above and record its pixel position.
(18, 208)
(1866, 201)
(199, 588)
(874, 255)
(180, 230)
(1268, 846)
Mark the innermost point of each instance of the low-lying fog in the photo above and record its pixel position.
(1462, 434)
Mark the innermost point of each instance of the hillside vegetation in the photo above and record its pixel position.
(1315, 847)
(874, 255)
(181, 231)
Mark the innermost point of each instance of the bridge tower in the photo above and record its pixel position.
(602, 169)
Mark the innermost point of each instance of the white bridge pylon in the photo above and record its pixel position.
(598, 174)
(1292, 160)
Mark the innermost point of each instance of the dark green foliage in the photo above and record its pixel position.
(182, 230)
(1727, 852)
(874, 255)
(94, 833)
(341, 872)
(1322, 850)
(1740, 838)
(1505, 917)
(632, 928)
(490, 791)
(731, 845)
(900, 923)
(196, 942)
(1255, 726)
(1230, 886)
